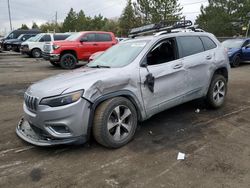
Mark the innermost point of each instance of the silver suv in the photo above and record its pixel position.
(128, 83)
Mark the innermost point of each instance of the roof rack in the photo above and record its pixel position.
(164, 28)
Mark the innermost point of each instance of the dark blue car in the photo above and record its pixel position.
(238, 50)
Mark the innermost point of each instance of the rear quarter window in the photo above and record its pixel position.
(103, 37)
(60, 37)
(208, 43)
(190, 45)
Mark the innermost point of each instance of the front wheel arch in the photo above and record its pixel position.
(113, 136)
(124, 93)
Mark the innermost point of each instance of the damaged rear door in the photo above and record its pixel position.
(196, 61)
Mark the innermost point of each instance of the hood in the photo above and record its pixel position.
(232, 51)
(11, 40)
(17, 42)
(82, 78)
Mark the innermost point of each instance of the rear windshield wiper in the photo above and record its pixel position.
(99, 66)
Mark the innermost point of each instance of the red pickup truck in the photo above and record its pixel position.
(79, 46)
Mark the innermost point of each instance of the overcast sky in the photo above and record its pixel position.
(40, 11)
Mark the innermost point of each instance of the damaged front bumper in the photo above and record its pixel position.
(25, 131)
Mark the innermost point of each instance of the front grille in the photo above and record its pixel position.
(31, 102)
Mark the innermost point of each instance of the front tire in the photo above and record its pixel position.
(236, 61)
(36, 53)
(68, 61)
(217, 91)
(115, 122)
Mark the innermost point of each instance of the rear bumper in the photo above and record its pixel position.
(25, 132)
(51, 57)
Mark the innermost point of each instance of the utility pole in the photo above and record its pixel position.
(56, 17)
(55, 22)
(248, 29)
(9, 14)
(248, 16)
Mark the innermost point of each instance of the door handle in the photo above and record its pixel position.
(178, 66)
(209, 57)
(95, 44)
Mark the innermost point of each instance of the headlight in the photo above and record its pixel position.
(62, 99)
(55, 47)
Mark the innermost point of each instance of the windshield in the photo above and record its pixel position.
(31, 39)
(73, 37)
(119, 55)
(10, 36)
(233, 43)
(7, 35)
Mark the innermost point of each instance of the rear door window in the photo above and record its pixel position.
(91, 37)
(45, 38)
(190, 45)
(103, 37)
(208, 43)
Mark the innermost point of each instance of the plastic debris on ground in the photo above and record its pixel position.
(197, 111)
(181, 156)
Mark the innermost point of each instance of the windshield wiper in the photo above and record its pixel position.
(99, 66)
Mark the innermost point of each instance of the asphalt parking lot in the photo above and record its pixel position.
(216, 143)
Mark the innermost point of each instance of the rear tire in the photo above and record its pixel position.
(115, 122)
(217, 92)
(36, 53)
(56, 64)
(68, 61)
(236, 61)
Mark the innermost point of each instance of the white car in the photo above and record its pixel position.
(34, 46)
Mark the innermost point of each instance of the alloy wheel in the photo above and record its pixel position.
(219, 92)
(69, 62)
(120, 122)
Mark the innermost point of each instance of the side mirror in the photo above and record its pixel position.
(247, 46)
(144, 64)
(145, 61)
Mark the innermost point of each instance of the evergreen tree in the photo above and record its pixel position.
(128, 19)
(143, 10)
(34, 26)
(155, 11)
(24, 26)
(165, 10)
(224, 17)
(97, 23)
(70, 22)
(82, 23)
(51, 27)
